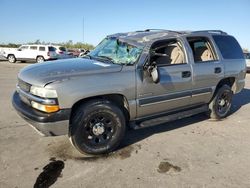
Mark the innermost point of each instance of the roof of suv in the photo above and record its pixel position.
(45, 45)
(150, 35)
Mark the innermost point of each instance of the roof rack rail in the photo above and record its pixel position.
(210, 31)
(148, 30)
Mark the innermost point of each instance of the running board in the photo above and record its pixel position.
(170, 117)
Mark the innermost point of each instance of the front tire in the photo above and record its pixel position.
(97, 127)
(11, 58)
(220, 106)
(40, 59)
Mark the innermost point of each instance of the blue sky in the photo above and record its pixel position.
(24, 21)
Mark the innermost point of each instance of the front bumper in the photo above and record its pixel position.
(53, 124)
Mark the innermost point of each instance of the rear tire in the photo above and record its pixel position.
(220, 106)
(97, 127)
(40, 59)
(11, 58)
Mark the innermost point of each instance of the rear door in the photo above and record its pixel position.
(32, 53)
(207, 69)
(174, 88)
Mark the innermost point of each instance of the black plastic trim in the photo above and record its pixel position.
(164, 98)
(157, 99)
(38, 116)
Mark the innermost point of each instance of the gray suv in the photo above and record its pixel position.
(137, 79)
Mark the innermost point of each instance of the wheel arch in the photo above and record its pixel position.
(11, 54)
(230, 81)
(118, 99)
(39, 56)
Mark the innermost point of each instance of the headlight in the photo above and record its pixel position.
(43, 92)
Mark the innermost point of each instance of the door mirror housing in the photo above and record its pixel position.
(154, 73)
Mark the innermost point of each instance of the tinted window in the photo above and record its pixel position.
(229, 47)
(41, 48)
(33, 47)
(52, 49)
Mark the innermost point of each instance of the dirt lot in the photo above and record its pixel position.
(193, 152)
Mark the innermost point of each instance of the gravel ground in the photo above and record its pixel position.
(192, 152)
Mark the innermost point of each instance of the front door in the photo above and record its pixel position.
(173, 91)
(22, 52)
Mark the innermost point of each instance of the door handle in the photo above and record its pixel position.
(217, 70)
(186, 74)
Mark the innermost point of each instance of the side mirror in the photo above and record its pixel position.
(154, 73)
(19, 49)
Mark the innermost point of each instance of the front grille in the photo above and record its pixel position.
(23, 85)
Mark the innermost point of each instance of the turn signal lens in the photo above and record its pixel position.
(45, 108)
(53, 108)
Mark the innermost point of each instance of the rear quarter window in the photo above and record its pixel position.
(229, 47)
(41, 48)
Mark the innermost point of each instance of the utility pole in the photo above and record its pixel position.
(83, 29)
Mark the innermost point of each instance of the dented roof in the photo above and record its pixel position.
(141, 38)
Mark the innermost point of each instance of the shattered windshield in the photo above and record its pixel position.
(116, 51)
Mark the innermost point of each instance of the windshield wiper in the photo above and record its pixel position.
(107, 58)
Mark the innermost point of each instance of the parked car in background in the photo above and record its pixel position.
(1, 54)
(247, 57)
(83, 53)
(76, 52)
(62, 52)
(38, 53)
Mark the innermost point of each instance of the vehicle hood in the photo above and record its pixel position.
(41, 74)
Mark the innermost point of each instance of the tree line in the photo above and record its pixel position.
(69, 44)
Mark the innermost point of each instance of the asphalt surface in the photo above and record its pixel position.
(192, 152)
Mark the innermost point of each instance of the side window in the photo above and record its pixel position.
(41, 48)
(24, 47)
(165, 53)
(202, 49)
(229, 47)
(33, 47)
